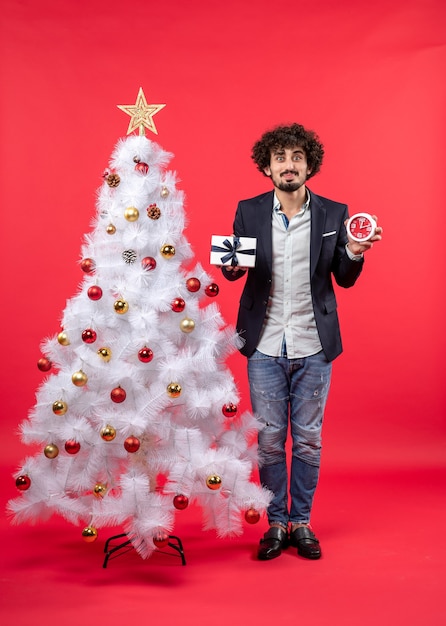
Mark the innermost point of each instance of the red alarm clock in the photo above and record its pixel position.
(361, 227)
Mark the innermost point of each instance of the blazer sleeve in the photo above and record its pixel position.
(345, 270)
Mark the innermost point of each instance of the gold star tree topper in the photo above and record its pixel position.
(141, 114)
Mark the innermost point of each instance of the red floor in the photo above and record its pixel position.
(383, 537)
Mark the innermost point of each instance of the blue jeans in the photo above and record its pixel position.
(293, 390)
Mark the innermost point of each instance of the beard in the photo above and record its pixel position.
(284, 186)
(289, 186)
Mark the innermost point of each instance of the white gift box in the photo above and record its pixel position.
(236, 251)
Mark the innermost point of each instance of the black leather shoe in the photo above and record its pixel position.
(305, 540)
(274, 541)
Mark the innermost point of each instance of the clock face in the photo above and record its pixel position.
(361, 227)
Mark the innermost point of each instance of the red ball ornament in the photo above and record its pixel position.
(88, 266)
(193, 284)
(142, 168)
(89, 335)
(229, 410)
(212, 290)
(44, 364)
(131, 444)
(148, 263)
(23, 482)
(161, 539)
(252, 516)
(72, 446)
(178, 305)
(145, 355)
(118, 395)
(94, 292)
(181, 502)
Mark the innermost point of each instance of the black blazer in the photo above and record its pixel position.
(328, 258)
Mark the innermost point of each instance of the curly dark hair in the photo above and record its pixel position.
(289, 137)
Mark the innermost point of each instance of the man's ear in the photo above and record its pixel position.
(267, 170)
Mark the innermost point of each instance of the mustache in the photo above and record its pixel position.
(288, 172)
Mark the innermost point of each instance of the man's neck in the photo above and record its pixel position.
(291, 202)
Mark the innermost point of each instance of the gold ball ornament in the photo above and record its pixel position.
(213, 482)
(89, 534)
(60, 407)
(131, 214)
(105, 354)
(62, 338)
(164, 192)
(187, 325)
(111, 229)
(167, 251)
(99, 490)
(51, 451)
(79, 378)
(121, 307)
(173, 390)
(108, 433)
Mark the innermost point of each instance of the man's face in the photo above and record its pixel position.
(288, 168)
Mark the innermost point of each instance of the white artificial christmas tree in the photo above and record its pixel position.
(138, 414)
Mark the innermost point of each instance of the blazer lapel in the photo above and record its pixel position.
(264, 211)
(318, 214)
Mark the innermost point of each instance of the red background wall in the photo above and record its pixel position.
(368, 77)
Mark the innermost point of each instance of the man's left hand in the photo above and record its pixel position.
(359, 248)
